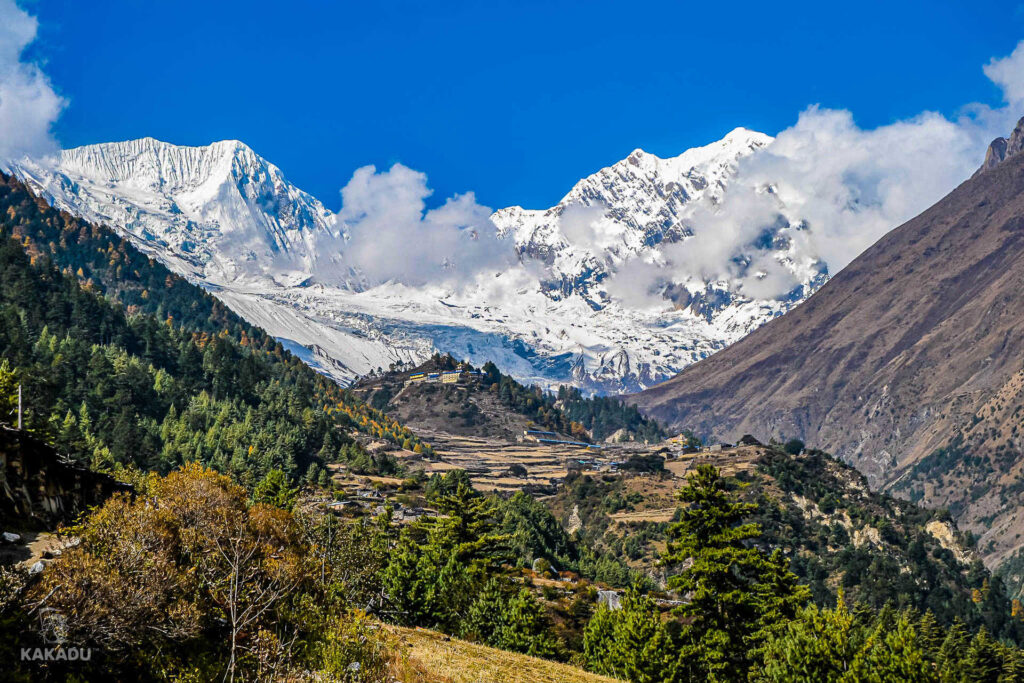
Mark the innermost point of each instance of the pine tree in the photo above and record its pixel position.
(817, 647)
(983, 661)
(630, 643)
(598, 637)
(951, 653)
(1013, 667)
(402, 583)
(484, 617)
(8, 392)
(324, 479)
(525, 627)
(892, 654)
(780, 597)
(274, 490)
(440, 563)
(930, 635)
(68, 436)
(735, 593)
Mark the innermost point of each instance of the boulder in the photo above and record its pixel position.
(610, 599)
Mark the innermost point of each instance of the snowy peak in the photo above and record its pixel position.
(623, 211)
(717, 160)
(220, 212)
(222, 215)
(722, 154)
(646, 192)
(158, 166)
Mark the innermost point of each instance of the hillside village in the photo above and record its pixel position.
(621, 499)
(500, 450)
(532, 464)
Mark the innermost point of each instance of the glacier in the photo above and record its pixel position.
(227, 219)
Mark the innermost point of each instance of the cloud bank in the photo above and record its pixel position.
(846, 185)
(28, 104)
(391, 236)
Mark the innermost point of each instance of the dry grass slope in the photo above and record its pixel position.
(436, 658)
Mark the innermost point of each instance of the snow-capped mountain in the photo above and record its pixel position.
(623, 211)
(223, 216)
(218, 213)
(642, 199)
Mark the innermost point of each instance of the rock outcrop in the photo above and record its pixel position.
(1003, 148)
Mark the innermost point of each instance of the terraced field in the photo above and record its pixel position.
(488, 460)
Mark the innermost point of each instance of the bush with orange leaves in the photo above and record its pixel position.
(187, 579)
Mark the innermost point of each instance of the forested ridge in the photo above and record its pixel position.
(122, 362)
(836, 533)
(569, 411)
(566, 410)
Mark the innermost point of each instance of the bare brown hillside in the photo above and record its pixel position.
(917, 345)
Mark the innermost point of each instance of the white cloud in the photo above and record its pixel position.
(843, 185)
(586, 226)
(1008, 74)
(393, 237)
(28, 104)
(850, 185)
(767, 279)
(639, 283)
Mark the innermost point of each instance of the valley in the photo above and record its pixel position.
(484, 343)
(436, 496)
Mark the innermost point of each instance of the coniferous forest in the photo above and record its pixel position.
(123, 363)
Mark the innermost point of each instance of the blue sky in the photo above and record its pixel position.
(512, 100)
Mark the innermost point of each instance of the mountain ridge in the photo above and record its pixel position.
(640, 201)
(905, 353)
(228, 219)
(188, 204)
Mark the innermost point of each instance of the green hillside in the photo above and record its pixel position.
(124, 363)
(837, 534)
